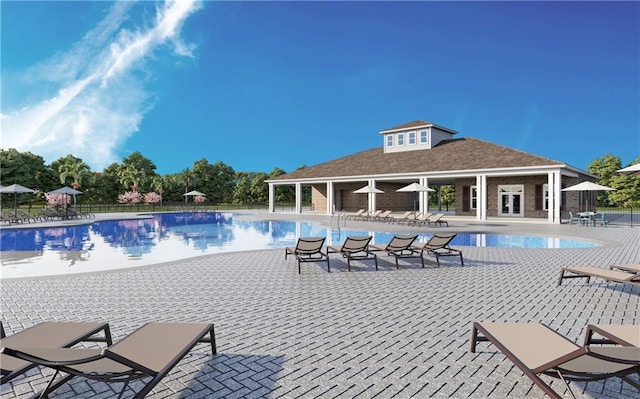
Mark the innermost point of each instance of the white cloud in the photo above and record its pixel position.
(101, 96)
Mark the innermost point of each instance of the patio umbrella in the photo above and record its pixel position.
(587, 186)
(368, 190)
(630, 170)
(15, 189)
(415, 188)
(67, 190)
(192, 193)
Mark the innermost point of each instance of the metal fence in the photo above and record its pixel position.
(621, 216)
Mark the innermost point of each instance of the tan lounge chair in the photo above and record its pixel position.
(308, 249)
(48, 335)
(405, 217)
(400, 247)
(536, 349)
(421, 220)
(438, 245)
(620, 334)
(437, 219)
(599, 272)
(354, 248)
(149, 352)
(630, 267)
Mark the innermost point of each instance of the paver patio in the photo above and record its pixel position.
(360, 334)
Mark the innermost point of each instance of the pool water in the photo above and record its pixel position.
(167, 237)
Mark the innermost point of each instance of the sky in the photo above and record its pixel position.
(264, 85)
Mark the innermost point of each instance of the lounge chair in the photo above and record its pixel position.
(308, 249)
(619, 334)
(630, 267)
(372, 215)
(420, 220)
(437, 219)
(405, 217)
(438, 245)
(382, 217)
(599, 272)
(400, 247)
(536, 349)
(356, 215)
(354, 248)
(47, 335)
(149, 352)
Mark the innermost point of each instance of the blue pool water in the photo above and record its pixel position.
(171, 236)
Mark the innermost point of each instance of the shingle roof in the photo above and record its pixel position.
(456, 154)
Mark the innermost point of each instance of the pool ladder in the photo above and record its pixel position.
(335, 231)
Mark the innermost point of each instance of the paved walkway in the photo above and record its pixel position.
(360, 334)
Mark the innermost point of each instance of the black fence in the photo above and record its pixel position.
(621, 216)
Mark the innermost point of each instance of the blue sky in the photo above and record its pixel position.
(259, 85)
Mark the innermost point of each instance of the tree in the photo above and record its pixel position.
(107, 185)
(241, 191)
(627, 193)
(73, 168)
(605, 168)
(24, 168)
(138, 170)
(131, 176)
(216, 180)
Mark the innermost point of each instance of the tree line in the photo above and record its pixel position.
(219, 181)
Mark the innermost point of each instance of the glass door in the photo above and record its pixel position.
(510, 200)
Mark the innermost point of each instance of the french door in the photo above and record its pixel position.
(510, 200)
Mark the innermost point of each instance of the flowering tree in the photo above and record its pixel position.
(57, 199)
(199, 199)
(152, 198)
(130, 197)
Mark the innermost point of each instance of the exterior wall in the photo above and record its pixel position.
(434, 135)
(529, 183)
(319, 197)
(437, 136)
(352, 202)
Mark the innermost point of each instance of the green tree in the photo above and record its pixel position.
(216, 180)
(259, 190)
(22, 168)
(138, 170)
(242, 188)
(107, 186)
(605, 168)
(73, 169)
(131, 176)
(627, 189)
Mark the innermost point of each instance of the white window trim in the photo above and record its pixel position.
(545, 197)
(473, 195)
(399, 138)
(409, 136)
(426, 137)
(389, 142)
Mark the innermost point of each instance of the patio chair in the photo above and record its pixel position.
(382, 217)
(438, 245)
(598, 272)
(47, 335)
(630, 267)
(308, 249)
(536, 349)
(618, 334)
(149, 352)
(420, 220)
(437, 219)
(356, 215)
(400, 247)
(405, 217)
(354, 248)
(573, 218)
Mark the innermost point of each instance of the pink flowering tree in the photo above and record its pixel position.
(152, 198)
(57, 200)
(130, 198)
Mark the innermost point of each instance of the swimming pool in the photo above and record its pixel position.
(165, 237)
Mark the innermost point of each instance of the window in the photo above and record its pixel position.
(424, 139)
(473, 203)
(545, 197)
(400, 139)
(412, 138)
(389, 140)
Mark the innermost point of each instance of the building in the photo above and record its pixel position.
(490, 180)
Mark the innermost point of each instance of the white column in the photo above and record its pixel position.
(372, 196)
(272, 198)
(423, 203)
(298, 198)
(481, 197)
(551, 205)
(330, 198)
(558, 197)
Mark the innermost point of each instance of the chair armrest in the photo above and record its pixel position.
(54, 356)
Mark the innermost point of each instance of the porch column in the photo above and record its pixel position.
(555, 200)
(272, 196)
(423, 202)
(298, 198)
(372, 196)
(481, 197)
(330, 199)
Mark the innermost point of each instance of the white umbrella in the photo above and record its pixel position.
(415, 188)
(195, 193)
(587, 186)
(630, 170)
(368, 190)
(15, 189)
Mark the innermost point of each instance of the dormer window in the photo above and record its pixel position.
(400, 139)
(412, 138)
(389, 140)
(424, 137)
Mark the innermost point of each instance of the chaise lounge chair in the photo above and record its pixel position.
(47, 335)
(400, 247)
(308, 249)
(630, 267)
(437, 219)
(599, 272)
(536, 349)
(421, 219)
(354, 248)
(619, 334)
(438, 245)
(149, 352)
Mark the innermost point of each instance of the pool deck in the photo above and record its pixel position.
(360, 334)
